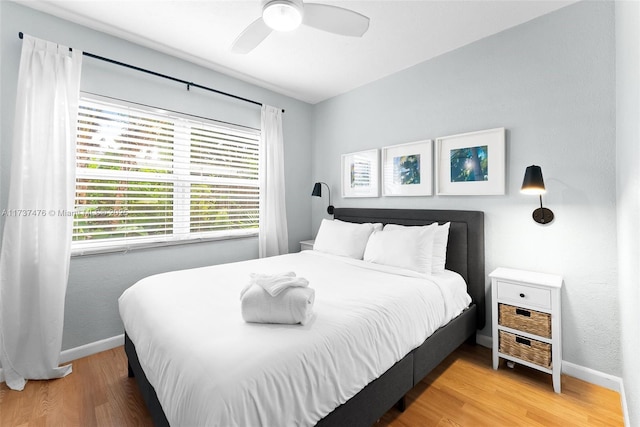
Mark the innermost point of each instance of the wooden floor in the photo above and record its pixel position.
(462, 391)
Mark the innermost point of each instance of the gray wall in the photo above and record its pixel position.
(551, 83)
(97, 281)
(628, 192)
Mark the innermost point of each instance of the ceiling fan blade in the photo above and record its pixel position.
(251, 37)
(335, 19)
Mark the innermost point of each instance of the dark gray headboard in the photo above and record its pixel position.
(465, 250)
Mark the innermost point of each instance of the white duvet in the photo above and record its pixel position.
(210, 368)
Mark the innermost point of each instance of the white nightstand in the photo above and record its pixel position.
(526, 322)
(306, 245)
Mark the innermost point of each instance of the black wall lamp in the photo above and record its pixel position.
(534, 184)
(317, 192)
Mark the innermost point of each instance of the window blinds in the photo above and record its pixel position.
(147, 175)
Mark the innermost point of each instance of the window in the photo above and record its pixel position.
(146, 176)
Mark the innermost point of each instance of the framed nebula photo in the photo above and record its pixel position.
(407, 169)
(471, 164)
(360, 174)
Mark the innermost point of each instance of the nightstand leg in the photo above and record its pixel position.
(556, 381)
(496, 359)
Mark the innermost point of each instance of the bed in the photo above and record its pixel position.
(373, 395)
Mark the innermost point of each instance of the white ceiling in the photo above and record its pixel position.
(306, 64)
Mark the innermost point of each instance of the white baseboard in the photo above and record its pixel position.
(582, 373)
(592, 376)
(599, 378)
(91, 348)
(85, 350)
(484, 340)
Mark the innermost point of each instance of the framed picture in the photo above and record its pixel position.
(471, 164)
(360, 174)
(407, 169)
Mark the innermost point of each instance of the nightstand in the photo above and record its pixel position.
(526, 322)
(306, 245)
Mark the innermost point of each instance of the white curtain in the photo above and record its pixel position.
(34, 260)
(273, 238)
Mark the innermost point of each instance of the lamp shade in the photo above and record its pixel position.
(533, 182)
(317, 189)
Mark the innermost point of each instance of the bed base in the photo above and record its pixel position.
(146, 389)
(373, 401)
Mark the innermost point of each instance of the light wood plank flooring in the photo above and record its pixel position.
(462, 391)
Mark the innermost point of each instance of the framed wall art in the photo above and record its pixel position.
(471, 164)
(360, 174)
(407, 169)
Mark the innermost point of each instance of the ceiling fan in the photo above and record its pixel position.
(287, 15)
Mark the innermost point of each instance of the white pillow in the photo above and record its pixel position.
(439, 257)
(440, 240)
(406, 247)
(343, 238)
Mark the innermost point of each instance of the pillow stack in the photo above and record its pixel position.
(422, 249)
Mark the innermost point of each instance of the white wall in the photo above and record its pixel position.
(95, 282)
(628, 193)
(551, 83)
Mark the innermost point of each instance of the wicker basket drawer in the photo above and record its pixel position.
(526, 349)
(531, 321)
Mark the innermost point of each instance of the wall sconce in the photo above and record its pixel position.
(317, 192)
(533, 183)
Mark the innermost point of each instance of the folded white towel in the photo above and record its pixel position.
(291, 306)
(275, 283)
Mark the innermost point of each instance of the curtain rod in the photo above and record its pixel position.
(164, 76)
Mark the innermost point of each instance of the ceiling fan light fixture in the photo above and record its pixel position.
(282, 15)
